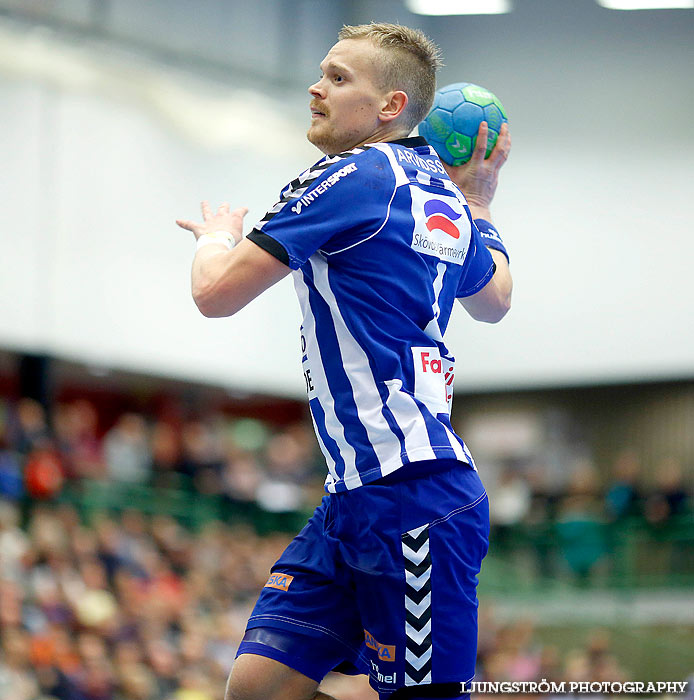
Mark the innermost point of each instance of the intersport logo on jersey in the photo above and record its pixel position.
(324, 186)
(442, 228)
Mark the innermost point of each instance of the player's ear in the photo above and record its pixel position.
(394, 105)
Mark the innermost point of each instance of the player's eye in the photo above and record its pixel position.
(338, 79)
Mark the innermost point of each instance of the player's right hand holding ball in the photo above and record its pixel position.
(479, 177)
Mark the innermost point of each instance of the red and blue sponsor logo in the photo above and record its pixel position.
(440, 216)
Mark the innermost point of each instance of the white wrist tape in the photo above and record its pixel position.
(223, 237)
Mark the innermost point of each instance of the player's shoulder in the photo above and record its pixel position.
(343, 173)
(414, 154)
(333, 168)
(360, 159)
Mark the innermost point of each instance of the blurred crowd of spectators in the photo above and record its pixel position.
(567, 526)
(138, 608)
(128, 608)
(512, 651)
(580, 523)
(242, 460)
(522, 493)
(247, 459)
(131, 607)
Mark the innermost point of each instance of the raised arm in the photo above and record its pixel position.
(228, 271)
(478, 179)
(493, 301)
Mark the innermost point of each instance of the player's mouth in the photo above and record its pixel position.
(315, 112)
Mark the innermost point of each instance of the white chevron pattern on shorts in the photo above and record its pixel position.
(417, 661)
(418, 636)
(417, 582)
(417, 560)
(418, 531)
(418, 609)
(416, 557)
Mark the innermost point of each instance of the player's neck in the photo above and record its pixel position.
(386, 135)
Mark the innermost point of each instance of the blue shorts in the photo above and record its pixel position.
(382, 581)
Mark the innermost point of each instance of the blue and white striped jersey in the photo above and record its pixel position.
(381, 243)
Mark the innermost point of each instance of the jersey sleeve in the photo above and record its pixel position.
(479, 266)
(332, 209)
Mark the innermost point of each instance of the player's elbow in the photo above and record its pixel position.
(502, 305)
(494, 305)
(499, 311)
(499, 303)
(205, 309)
(492, 313)
(210, 303)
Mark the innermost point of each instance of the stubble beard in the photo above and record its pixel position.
(330, 141)
(323, 138)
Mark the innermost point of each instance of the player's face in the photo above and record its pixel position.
(346, 101)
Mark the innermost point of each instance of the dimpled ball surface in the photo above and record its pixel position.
(452, 124)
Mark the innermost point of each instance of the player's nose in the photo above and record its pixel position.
(316, 90)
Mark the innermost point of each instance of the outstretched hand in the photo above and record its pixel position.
(223, 220)
(479, 177)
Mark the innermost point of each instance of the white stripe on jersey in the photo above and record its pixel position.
(411, 422)
(423, 178)
(417, 443)
(332, 423)
(332, 471)
(469, 458)
(367, 398)
(433, 330)
(438, 286)
(399, 172)
(460, 454)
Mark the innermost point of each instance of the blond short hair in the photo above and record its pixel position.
(410, 62)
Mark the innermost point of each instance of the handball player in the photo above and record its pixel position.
(381, 238)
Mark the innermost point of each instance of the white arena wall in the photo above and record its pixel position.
(103, 147)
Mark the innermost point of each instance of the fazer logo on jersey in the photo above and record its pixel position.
(279, 581)
(431, 374)
(442, 228)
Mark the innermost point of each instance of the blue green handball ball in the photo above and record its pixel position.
(455, 117)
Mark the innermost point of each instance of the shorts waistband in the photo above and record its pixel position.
(417, 470)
